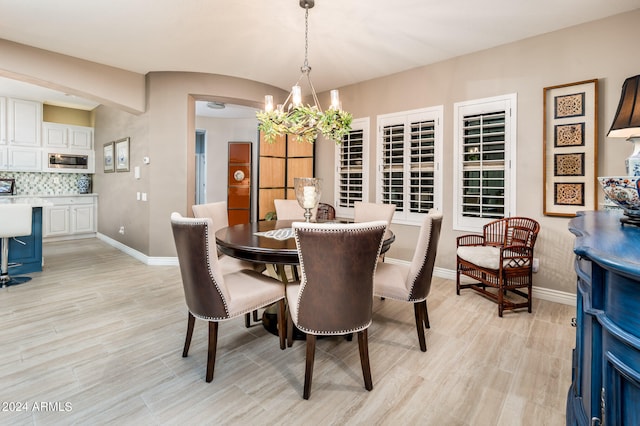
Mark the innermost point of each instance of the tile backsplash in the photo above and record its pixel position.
(33, 183)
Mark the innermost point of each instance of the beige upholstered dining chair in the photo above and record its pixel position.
(412, 283)
(217, 212)
(215, 296)
(335, 294)
(365, 212)
(291, 210)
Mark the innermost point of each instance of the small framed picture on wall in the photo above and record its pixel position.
(122, 155)
(107, 158)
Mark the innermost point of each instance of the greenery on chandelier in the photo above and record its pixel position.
(305, 122)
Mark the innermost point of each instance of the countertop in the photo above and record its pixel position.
(34, 201)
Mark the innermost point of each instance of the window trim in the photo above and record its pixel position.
(478, 106)
(435, 113)
(363, 124)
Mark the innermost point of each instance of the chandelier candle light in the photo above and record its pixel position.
(304, 121)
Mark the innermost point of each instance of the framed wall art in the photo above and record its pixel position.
(121, 148)
(107, 158)
(570, 148)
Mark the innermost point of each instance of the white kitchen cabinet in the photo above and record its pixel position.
(70, 217)
(64, 136)
(24, 121)
(23, 159)
(56, 221)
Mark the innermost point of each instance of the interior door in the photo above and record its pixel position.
(239, 183)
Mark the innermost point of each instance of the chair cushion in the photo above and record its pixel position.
(293, 291)
(230, 264)
(483, 256)
(250, 290)
(390, 281)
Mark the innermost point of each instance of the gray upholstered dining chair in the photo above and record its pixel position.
(213, 296)
(335, 293)
(412, 283)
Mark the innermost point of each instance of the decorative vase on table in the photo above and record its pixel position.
(308, 191)
(84, 182)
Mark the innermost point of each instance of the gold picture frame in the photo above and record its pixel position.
(121, 153)
(570, 138)
(107, 158)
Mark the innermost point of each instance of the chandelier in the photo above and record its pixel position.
(304, 121)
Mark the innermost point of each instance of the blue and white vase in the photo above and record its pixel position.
(83, 184)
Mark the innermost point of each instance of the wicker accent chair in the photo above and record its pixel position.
(335, 294)
(501, 258)
(212, 295)
(413, 283)
(325, 212)
(217, 212)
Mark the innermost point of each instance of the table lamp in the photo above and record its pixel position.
(623, 190)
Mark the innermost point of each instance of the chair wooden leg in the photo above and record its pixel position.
(211, 354)
(363, 345)
(458, 280)
(419, 314)
(426, 316)
(191, 320)
(308, 372)
(500, 301)
(282, 327)
(247, 318)
(289, 330)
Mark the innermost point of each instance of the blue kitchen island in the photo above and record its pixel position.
(25, 252)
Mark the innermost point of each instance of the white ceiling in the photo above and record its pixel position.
(349, 41)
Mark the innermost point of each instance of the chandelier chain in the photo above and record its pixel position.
(305, 66)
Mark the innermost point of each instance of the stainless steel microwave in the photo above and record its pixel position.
(68, 161)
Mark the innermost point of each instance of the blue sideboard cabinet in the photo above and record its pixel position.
(28, 256)
(605, 386)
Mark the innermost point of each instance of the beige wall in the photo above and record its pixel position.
(166, 134)
(595, 50)
(165, 130)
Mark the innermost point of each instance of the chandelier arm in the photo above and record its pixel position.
(313, 93)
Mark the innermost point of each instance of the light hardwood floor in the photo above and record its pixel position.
(98, 336)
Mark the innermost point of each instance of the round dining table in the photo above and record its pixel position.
(259, 242)
(270, 242)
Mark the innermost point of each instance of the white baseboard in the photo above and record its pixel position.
(538, 292)
(152, 261)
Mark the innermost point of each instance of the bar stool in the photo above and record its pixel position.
(15, 221)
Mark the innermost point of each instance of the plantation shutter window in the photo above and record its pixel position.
(484, 159)
(409, 150)
(351, 167)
